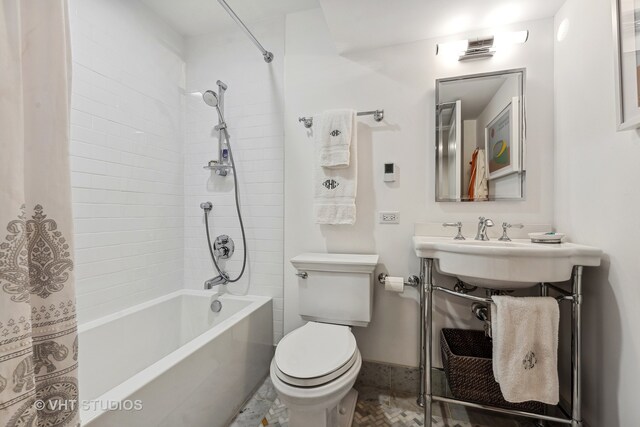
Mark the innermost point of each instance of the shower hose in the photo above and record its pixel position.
(206, 221)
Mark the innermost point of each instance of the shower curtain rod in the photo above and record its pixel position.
(268, 56)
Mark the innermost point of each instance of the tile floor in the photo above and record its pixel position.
(375, 407)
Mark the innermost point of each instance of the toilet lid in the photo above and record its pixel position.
(315, 350)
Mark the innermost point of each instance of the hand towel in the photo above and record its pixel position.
(478, 182)
(525, 348)
(481, 190)
(334, 137)
(335, 189)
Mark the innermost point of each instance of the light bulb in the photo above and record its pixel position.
(509, 38)
(454, 48)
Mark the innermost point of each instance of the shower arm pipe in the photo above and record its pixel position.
(268, 56)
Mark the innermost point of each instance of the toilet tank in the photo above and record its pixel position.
(337, 288)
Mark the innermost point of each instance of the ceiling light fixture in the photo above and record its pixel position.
(481, 47)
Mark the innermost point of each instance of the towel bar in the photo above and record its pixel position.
(378, 115)
(564, 297)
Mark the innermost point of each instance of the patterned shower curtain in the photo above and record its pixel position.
(38, 338)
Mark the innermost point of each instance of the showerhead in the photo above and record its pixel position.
(210, 98)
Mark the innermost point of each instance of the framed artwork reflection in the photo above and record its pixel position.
(626, 37)
(502, 141)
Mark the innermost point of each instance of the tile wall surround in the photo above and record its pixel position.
(126, 155)
(139, 140)
(254, 115)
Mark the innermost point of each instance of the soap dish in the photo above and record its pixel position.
(549, 237)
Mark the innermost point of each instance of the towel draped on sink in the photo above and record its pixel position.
(525, 348)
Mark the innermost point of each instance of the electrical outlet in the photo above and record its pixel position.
(389, 217)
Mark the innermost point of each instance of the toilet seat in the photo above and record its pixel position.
(315, 354)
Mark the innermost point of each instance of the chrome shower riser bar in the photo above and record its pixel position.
(268, 56)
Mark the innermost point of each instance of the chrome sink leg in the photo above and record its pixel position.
(427, 266)
(422, 293)
(576, 344)
(544, 292)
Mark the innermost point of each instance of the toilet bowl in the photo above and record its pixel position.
(313, 372)
(316, 365)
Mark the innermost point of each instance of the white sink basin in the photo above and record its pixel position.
(505, 265)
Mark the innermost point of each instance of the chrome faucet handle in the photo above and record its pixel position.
(505, 226)
(458, 224)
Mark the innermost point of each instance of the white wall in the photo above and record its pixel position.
(598, 203)
(499, 101)
(253, 110)
(126, 155)
(400, 79)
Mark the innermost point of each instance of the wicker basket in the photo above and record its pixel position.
(466, 356)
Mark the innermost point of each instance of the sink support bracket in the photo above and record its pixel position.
(426, 395)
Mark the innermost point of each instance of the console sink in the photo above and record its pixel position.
(505, 265)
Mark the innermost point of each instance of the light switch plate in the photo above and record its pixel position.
(389, 217)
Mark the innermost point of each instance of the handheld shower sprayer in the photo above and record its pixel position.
(212, 100)
(223, 247)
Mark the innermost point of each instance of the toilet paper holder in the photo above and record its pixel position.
(413, 281)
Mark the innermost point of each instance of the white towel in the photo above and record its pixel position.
(334, 137)
(335, 189)
(481, 190)
(525, 348)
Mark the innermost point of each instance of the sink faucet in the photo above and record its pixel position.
(482, 228)
(220, 279)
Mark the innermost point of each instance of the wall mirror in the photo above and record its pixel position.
(480, 137)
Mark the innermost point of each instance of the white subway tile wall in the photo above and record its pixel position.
(126, 155)
(139, 146)
(254, 114)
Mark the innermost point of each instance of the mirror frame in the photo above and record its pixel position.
(522, 120)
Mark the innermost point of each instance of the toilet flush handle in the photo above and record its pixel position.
(302, 274)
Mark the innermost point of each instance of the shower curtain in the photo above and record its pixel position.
(38, 338)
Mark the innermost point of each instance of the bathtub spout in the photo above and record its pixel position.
(221, 279)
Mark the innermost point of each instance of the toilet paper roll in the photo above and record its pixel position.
(394, 284)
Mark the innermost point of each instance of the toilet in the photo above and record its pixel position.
(316, 365)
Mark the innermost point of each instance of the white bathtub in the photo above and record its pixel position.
(184, 364)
